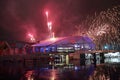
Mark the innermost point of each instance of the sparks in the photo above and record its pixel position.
(49, 25)
(32, 38)
(46, 14)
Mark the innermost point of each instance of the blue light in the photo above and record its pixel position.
(106, 47)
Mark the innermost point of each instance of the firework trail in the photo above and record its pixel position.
(104, 28)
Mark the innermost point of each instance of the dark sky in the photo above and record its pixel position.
(19, 17)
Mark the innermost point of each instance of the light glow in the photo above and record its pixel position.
(46, 13)
(30, 35)
(53, 37)
(49, 26)
(53, 75)
(32, 38)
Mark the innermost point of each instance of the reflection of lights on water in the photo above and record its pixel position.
(29, 76)
(112, 60)
(52, 78)
(53, 75)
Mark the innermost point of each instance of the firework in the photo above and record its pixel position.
(32, 38)
(104, 28)
(46, 14)
(49, 25)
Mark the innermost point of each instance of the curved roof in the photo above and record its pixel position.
(81, 40)
(74, 39)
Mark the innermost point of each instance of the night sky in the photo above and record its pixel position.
(19, 17)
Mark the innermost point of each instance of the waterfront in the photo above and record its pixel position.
(59, 40)
(109, 70)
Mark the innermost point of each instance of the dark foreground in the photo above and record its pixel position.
(44, 71)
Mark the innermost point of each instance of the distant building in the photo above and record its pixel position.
(64, 44)
(13, 47)
(56, 45)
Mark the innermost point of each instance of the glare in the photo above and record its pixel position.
(76, 68)
(49, 25)
(32, 38)
(28, 75)
(52, 78)
(53, 37)
(46, 13)
(116, 54)
(30, 35)
(76, 45)
(53, 75)
(106, 47)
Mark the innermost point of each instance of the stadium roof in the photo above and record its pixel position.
(65, 41)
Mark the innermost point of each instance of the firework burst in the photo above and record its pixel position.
(104, 28)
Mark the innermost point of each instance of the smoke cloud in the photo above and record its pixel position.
(19, 17)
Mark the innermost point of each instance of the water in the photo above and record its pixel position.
(72, 71)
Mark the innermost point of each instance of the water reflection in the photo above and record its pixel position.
(72, 71)
(29, 75)
(106, 72)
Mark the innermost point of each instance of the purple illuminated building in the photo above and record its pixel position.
(64, 44)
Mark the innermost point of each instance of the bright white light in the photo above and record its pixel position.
(116, 54)
(53, 39)
(30, 35)
(46, 13)
(106, 47)
(76, 45)
(32, 39)
(76, 68)
(53, 76)
(112, 60)
(49, 26)
(100, 33)
(82, 47)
